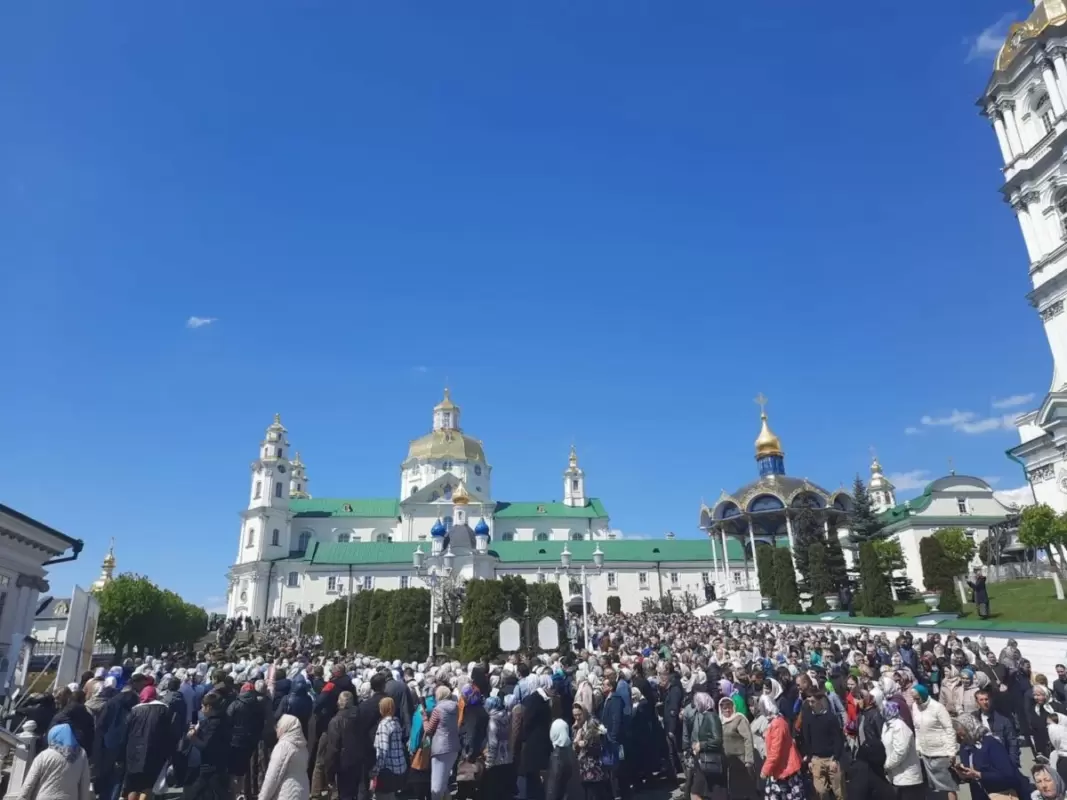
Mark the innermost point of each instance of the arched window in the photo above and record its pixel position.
(304, 541)
(1043, 111)
(447, 489)
(274, 536)
(382, 537)
(1059, 200)
(293, 579)
(300, 487)
(507, 537)
(251, 537)
(542, 537)
(277, 490)
(279, 452)
(344, 538)
(576, 537)
(259, 490)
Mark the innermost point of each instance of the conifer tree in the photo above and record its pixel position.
(785, 582)
(875, 597)
(863, 523)
(835, 560)
(807, 530)
(820, 583)
(938, 573)
(765, 566)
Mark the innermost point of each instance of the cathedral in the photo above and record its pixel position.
(1025, 101)
(297, 552)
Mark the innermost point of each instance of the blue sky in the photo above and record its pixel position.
(612, 223)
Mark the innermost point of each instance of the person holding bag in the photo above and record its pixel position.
(702, 741)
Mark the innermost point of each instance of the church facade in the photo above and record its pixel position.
(297, 552)
(1025, 101)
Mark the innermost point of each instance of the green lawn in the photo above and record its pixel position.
(1018, 601)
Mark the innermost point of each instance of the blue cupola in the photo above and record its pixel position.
(482, 528)
(438, 528)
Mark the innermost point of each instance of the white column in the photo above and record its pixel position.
(1049, 78)
(1044, 236)
(1026, 224)
(714, 554)
(1002, 138)
(725, 562)
(1008, 112)
(1061, 73)
(752, 544)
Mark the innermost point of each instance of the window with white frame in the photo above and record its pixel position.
(304, 540)
(382, 537)
(675, 578)
(290, 609)
(642, 579)
(368, 582)
(542, 537)
(739, 578)
(705, 577)
(259, 490)
(251, 537)
(1043, 111)
(1059, 202)
(961, 504)
(331, 583)
(507, 537)
(576, 536)
(277, 490)
(275, 536)
(294, 579)
(541, 577)
(344, 538)
(613, 580)
(405, 581)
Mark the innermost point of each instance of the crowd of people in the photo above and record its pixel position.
(712, 708)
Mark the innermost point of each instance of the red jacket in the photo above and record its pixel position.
(783, 760)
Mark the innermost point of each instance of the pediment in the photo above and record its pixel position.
(442, 490)
(1053, 411)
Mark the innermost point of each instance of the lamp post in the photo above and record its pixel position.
(565, 559)
(432, 566)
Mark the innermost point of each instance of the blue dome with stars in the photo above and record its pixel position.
(482, 528)
(438, 528)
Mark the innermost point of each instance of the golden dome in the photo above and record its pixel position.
(446, 444)
(459, 497)
(1046, 13)
(767, 444)
(446, 404)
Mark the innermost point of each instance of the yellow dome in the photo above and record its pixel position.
(460, 497)
(446, 404)
(1046, 14)
(446, 444)
(767, 444)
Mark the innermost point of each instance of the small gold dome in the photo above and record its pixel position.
(767, 444)
(460, 497)
(446, 404)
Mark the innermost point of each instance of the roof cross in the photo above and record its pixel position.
(761, 401)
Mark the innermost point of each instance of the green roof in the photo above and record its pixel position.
(619, 550)
(593, 509)
(346, 507)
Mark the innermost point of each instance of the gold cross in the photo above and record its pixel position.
(761, 401)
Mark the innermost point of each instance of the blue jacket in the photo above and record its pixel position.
(612, 717)
(1003, 727)
(998, 773)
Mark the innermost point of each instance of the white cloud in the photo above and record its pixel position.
(992, 480)
(199, 322)
(906, 481)
(911, 430)
(988, 43)
(970, 422)
(1023, 496)
(215, 605)
(421, 370)
(1013, 401)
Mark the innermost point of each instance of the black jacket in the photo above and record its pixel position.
(1059, 691)
(81, 722)
(820, 730)
(298, 703)
(212, 739)
(246, 720)
(404, 704)
(474, 731)
(350, 738)
(108, 744)
(150, 739)
(1003, 727)
(326, 702)
(536, 723)
(1039, 726)
(672, 706)
(281, 690)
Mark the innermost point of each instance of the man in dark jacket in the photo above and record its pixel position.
(211, 737)
(109, 745)
(282, 687)
(673, 703)
(1000, 725)
(326, 707)
(75, 714)
(823, 744)
(613, 718)
(350, 754)
(298, 703)
(404, 703)
(1059, 686)
(246, 731)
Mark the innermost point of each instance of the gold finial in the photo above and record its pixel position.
(277, 419)
(109, 559)
(446, 403)
(875, 466)
(767, 444)
(573, 457)
(297, 459)
(459, 497)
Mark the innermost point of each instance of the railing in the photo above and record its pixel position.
(21, 747)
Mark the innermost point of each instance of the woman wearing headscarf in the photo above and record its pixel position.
(419, 747)
(59, 773)
(390, 752)
(1049, 784)
(1043, 711)
(702, 745)
(558, 776)
(984, 762)
(473, 731)
(151, 740)
(739, 751)
(902, 765)
(286, 777)
(443, 728)
(586, 737)
(781, 768)
(499, 778)
(537, 743)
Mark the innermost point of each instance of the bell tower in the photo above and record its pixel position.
(574, 482)
(265, 523)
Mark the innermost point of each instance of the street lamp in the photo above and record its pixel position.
(433, 566)
(565, 560)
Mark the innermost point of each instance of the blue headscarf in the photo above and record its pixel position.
(61, 739)
(493, 703)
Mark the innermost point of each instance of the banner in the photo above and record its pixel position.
(80, 638)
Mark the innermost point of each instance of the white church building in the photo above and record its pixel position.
(297, 552)
(1026, 103)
